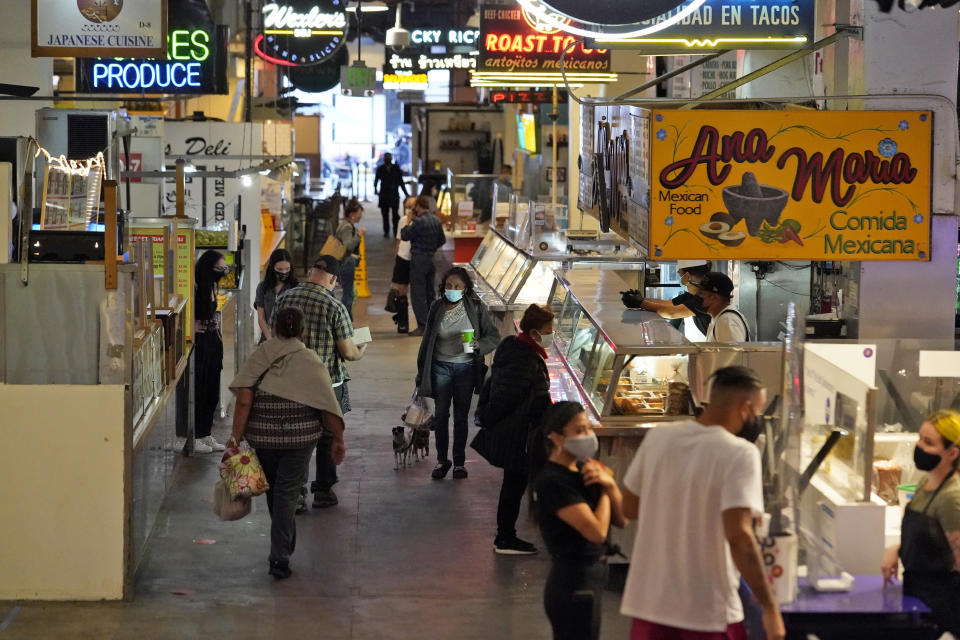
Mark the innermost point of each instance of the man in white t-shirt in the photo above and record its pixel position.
(715, 291)
(694, 488)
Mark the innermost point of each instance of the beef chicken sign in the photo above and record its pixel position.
(300, 33)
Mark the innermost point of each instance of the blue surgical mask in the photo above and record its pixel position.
(453, 295)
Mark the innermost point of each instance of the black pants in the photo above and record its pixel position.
(403, 314)
(286, 471)
(422, 275)
(208, 360)
(508, 509)
(572, 598)
(385, 211)
(326, 467)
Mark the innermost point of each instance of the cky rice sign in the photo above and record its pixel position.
(76, 28)
(791, 185)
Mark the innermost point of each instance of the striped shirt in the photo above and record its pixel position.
(326, 322)
(277, 423)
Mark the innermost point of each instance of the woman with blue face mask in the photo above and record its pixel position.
(450, 368)
(574, 500)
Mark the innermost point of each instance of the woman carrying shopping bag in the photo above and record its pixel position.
(519, 388)
(450, 367)
(285, 401)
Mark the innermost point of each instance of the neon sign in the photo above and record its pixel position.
(301, 33)
(196, 63)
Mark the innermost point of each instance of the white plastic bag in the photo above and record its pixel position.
(417, 412)
(227, 508)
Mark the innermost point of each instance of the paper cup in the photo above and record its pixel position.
(468, 341)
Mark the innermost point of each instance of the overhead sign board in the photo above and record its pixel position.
(298, 33)
(506, 96)
(511, 42)
(791, 185)
(445, 49)
(74, 28)
(196, 62)
(728, 24)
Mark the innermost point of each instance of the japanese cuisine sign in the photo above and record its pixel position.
(789, 185)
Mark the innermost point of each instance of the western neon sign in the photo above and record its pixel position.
(194, 64)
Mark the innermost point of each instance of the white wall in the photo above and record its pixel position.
(62, 512)
(16, 116)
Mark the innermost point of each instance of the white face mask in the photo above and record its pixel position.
(582, 447)
(546, 340)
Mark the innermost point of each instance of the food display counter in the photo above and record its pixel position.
(509, 278)
(466, 210)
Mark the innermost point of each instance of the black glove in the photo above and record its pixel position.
(632, 299)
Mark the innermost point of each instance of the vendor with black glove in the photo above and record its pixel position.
(685, 305)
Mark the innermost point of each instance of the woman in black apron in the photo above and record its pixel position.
(930, 535)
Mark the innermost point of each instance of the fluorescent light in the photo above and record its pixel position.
(246, 180)
(369, 7)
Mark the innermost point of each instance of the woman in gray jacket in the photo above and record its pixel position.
(349, 235)
(451, 371)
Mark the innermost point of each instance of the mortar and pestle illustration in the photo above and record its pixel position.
(753, 203)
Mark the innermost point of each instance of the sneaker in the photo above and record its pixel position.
(280, 569)
(513, 547)
(440, 471)
(302, 501)
(324, 498)
(179, 444)
(200, 447)
(416, 333)
(213, 444)
(459, 473)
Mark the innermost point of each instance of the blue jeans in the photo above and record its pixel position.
(452, 381)
(347, 270)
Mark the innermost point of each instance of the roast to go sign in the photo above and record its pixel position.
(791, 185)
(299, 33)
(196, 63)
(74, 28)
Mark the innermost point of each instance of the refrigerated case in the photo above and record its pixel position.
(508, 278)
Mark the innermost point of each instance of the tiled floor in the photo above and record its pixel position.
(402, 556)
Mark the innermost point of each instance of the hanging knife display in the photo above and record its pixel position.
(601, 174)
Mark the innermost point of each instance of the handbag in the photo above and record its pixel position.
(241, 471)
(226, 507)
(391, 305)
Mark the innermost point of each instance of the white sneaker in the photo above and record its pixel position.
(200, 447)
(213, 444)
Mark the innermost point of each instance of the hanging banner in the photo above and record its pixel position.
(511, 41)
(725, 24)
(76, 28)
(791, 185)
(300, 33)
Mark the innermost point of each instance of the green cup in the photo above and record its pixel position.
(468, 341)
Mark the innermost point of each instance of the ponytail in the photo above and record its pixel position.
(288, 323)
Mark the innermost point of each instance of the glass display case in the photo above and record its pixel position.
(508, 279)
(469, 198)
(631, 365)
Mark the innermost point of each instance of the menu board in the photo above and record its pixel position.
(183, 274)
(71, 195)
(638, 203)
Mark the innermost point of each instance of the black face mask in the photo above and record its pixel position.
(219, 273)
(925, 461)
(282, 277)
(752, 428)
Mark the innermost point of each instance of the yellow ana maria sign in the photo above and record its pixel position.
(791, 185)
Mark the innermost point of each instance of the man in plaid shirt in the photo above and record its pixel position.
(426, 237)
(329, 332)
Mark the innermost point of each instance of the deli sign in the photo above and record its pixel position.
(74, 28)
(789, 185)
